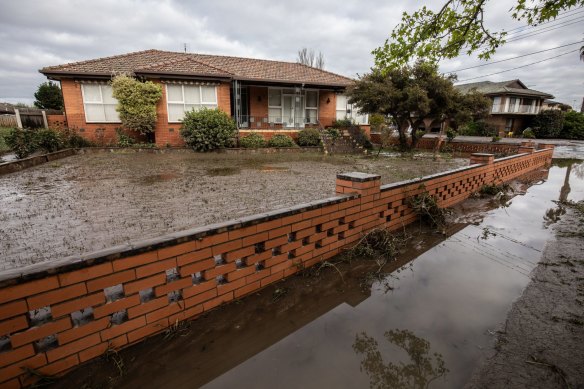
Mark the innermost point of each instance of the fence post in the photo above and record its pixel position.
(482, 158)
(361, 183)
(45, 121)
(18, 121)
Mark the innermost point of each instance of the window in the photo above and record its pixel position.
(509, 125)
(275, 105)
(348, 111)
(183, 98)
(99, 103)
(513, 104)
(496, 104)
(311, 114)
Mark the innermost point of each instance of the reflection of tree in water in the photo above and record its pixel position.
(419, 373)
(552, 215)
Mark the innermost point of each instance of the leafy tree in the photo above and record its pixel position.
(208, 129)
(49, 96)
(409, 94)
(548, 124)
(459, 27)
(309, 58)
(573, 125)
(137, 103)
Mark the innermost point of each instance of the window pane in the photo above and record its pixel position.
(192, 94)
(341, 114)
(175, 112)
(91, 93)
(209, 95)
(111, 115)
(341, 102)
(275, 115)
(311, 99)
(174, 93)
(94, 113)
(192, 107)
(311, 115)
(210, 106)
(275, 97)
(108, 95)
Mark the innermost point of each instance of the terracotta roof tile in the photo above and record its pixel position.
(157, 61)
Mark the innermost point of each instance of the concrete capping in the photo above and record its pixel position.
(21, 164)
(358, 177)
(526, 150)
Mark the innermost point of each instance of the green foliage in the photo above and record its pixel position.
(450, 134)
(528, 133)
(22, 142)
(342, 123)
(333, 133)
(410, 94)
(426, 206)
(208, 129)
(361, 137)
(457, 28)
(49, 96)
(252, 141)
(48, 140)
(281, 140)
(477, 128)
(309, 137)
(136, 103)
(71, 139)
(495, 139)
(548, 124)
(124, 140)
(4, 131)
(573, 125)
(376, 121)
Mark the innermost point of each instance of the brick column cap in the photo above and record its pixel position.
(358, 177)
(482, 155)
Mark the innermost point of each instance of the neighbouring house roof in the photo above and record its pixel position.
(511, 87)
(157, 62)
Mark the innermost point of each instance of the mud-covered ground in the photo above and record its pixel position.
(95, 201)
(542, 343)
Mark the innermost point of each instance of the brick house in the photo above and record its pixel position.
(261, 95)
(513, 103)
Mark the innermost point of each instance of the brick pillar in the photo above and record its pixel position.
(361, 183)
(528, 143)
(482, 158)
(525, 150)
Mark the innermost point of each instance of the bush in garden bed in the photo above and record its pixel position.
(208, 129)
(281, 140)
(252, 141)
(309, 137)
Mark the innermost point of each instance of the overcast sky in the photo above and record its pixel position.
(35, 34)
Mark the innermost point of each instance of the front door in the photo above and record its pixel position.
(292, 106)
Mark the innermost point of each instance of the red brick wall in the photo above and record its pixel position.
(327, 111)
(57, 121)
(254, 253)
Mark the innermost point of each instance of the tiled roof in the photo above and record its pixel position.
(503, 87)
(166, 62)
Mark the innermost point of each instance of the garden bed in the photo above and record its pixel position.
(98, 200)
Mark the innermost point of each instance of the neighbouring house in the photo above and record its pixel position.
(514, 104)
(261, 95)
(555, 106)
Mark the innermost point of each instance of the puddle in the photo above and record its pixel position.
(223, 171)
(155, 178)
(438, 319)
(268, 169)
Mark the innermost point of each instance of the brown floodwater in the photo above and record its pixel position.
(432, 319)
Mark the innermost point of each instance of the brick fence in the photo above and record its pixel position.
(56, 315)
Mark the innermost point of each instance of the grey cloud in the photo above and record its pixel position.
(37, 34)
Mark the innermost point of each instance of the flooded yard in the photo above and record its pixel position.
(91, 202)
(429, 322)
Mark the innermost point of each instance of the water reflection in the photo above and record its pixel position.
(552, 215)
(423, 367)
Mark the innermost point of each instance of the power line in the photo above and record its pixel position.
(548, 29)
(519, 67)
(512, 58)
(572, 13)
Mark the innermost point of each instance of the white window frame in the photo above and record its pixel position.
(202, 104)
(96, 103)
(353, 115)
(304, 107)
(496, 104)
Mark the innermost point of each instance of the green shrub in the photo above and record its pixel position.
(333, 133)
(573, 125)
(495, 139)
(528, 133)
(124, 140)
(477, 129)
(450, 134)
(309, 137)
(48, 140)
(208, 129)
(548, 124)
(22, 142)
(342, 123)
(252, 141)
(281, 140)
(361, 137)
(71, 139)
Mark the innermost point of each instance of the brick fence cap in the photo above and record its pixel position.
(358, 177)
(482, 155)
